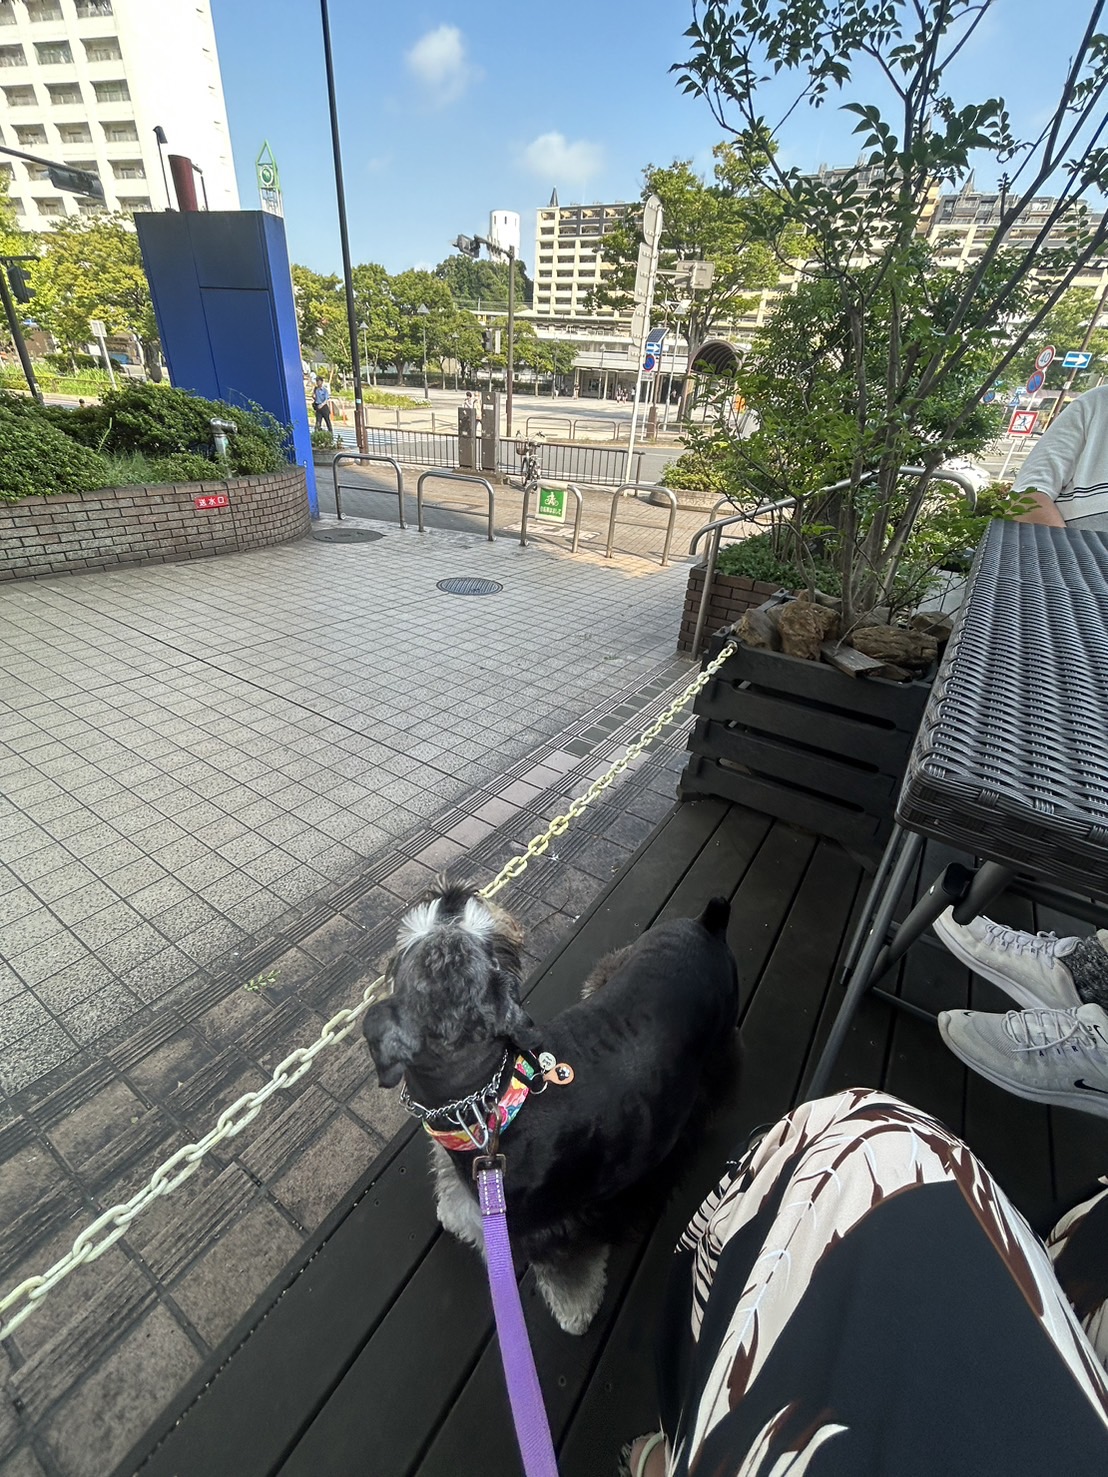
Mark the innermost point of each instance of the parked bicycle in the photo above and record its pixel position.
(529, 471)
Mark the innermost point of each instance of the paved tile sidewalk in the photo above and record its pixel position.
(218, 770)
(188, 752)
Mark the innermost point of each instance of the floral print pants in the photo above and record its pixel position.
(858, 1297)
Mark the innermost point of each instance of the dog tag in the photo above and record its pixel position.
(547, 1062)
(560, 1074)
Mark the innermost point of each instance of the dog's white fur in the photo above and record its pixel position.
(573, 1291)
(422, 920)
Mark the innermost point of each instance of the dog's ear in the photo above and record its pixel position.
(514, 1024)
(391, 1047)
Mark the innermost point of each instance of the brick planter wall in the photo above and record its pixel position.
(43, 536)
(731, 595)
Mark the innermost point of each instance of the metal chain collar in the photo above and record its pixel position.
(113, 1223)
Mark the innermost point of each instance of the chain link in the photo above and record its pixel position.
(114, 1222)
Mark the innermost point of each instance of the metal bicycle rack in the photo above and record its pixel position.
(635, 488)
(366, 456)
(576, 491)
(454, 477)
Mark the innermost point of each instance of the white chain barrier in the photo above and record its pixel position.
(108, 1227)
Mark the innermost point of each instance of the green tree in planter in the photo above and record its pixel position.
(900, 354)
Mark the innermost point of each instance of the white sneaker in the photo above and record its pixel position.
(1050, 1056)
(1027, 966)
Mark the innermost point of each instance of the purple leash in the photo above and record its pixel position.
(520, 1375)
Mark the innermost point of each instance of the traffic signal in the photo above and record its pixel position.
(20, 284)
(468, 246)
(78, 181)
(489, 339)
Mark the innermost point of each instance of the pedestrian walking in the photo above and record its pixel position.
(321, 404)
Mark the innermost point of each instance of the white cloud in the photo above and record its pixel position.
(439, 63)
(556, 159)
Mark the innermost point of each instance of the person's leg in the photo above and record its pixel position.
(857, 1298)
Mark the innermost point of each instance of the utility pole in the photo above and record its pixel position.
(511, 334)
(344, 235)
(640, 319)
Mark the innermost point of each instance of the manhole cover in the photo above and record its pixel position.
(346, 535)
(461, 585)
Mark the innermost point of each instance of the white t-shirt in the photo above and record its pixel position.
(1070, 462)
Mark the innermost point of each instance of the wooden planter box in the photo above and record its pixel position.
(803, 742)
(731, 595)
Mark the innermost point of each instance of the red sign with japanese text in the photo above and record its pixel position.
(212, 500)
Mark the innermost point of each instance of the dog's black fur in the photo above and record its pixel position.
(657, 1019)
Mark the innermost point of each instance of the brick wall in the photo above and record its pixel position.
(731, 595)
(43, 536)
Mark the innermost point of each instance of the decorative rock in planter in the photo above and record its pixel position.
(801, 741)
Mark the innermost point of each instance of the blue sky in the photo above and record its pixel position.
(449, 111)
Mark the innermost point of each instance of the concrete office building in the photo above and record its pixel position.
(85, 82)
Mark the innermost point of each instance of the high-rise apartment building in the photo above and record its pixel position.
(86, 82)
(569, 258)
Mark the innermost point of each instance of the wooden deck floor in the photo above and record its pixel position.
(374, 1353)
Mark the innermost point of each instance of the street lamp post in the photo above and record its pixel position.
(471, 246)
(344, 235)
(424, 312)
(363, 328)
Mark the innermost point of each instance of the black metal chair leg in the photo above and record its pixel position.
(907, 853)
(989, 881)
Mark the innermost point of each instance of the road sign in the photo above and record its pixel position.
(988, 397)
(1022, 422)
(551, 505)
(96, 328)
(1036, 381)
(1077, 359)
(650, 361)
(1045, 357)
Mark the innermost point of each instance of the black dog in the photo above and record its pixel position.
(656, 1019)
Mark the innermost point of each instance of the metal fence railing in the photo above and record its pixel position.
(560, 461)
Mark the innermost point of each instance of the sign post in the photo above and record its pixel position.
(551, 506)
(640, 318)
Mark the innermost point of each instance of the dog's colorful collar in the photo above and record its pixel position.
(465, 1137)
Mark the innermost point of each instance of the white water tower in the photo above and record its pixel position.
(504, 229)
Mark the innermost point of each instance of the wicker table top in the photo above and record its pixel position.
(1011, 759)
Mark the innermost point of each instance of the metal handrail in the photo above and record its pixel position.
(635, 488)
(368, 456)
(562, 419)
(454, 477)
(576, 520)
(715, 528)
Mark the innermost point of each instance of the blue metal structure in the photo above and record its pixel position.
(223, 300)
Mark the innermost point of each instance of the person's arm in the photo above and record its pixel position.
(1050, 466)
(1043, 510)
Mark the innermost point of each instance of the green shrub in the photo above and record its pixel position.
(132, 469)
(158, 421)
(755, 559)
(699, 470)
(325, 440)
(37, 459)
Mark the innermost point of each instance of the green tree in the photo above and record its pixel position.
(909, 353)
(412, 290)
(377, 310)
(1064, 326)
(459, 337)
(702, 220)
(321, 317)
(91, 267)
(483, 283)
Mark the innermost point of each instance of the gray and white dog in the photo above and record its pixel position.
(655, 1021)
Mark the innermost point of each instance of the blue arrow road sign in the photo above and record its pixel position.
(1075, 359)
